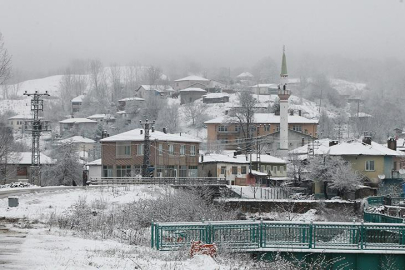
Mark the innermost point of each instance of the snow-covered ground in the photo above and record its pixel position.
(34, 244)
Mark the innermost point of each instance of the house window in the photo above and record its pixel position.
(160, 149)
(243, 170)
(234, 170)
(222, 128)
(237, 128)
(281, 169)
(123, 149)
(370, 165)
(107, 171)
(21, 171)
(223, 170)
(267, 128)
(192, 171)
(171, 149)
(297, 128)
(139, 151)
(182, 150)
(192, 150)
(183, 171)
(123, 171)
(277, 128)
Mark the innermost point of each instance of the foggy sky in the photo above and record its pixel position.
(46, 34)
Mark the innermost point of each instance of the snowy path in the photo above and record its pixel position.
(10, 246)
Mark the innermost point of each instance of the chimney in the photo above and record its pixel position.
(202, 158)
(299, 112)
(291, 112)
(332, 143)
(392, 144)
(226, 112)
(164, 130)
(367, 139)
(180, 133)
(141, 131)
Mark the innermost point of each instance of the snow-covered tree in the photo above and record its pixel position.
(335, 171)
(168, 117)
(244, 114)
(67, 170)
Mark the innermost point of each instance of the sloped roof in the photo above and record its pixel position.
(135, 135)
(96, 162)
(132, 98)
(77, 120)
(245, 74)
(216, 95)
(351, 148)
(264, 118)
(20, 116)
(227, 157)
(193, 89)
(78, 98)
(101, 116)
(157, 87)
(192, 78)
(77, 139)
(269, 85)
(24, 158)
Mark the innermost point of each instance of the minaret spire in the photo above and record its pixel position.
(283, 94)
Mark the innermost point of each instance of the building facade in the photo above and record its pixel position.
(170, 155)
(191, 81)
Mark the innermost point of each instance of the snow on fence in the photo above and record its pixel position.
(253, 235)
(175, 181)
(270, 193)
(379, 217)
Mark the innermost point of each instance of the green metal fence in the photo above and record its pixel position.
(381, 218)
(253, 235)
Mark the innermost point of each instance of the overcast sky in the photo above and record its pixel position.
(45, 34)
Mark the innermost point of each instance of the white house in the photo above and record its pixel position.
(265, 89)
(76, 124)
(190, 81)
(94, 169)
(191, 94)
(145, 90)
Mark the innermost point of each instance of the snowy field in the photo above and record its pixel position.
(38, 245)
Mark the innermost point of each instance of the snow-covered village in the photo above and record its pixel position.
(202, 135)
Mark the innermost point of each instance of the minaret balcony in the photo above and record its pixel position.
(284, 94)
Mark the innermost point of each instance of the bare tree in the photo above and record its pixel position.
(194, 112)
(152, 107)
(5, 63)
(99, 91)
(6, 148)
(116, 85)
(152, 75)
(245, 115)
(169, 117)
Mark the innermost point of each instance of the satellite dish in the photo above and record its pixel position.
(381, 176)
(402, 171)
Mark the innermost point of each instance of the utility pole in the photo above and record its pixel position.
(146, 146)
(37, 105)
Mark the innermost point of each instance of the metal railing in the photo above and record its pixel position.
(253, 235)
(175, 181)
(382, 218)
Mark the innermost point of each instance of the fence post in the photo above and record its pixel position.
(362, 235)
(208, 234)
(311, 224)
(152, 228)
(261, 233)
(157, 236)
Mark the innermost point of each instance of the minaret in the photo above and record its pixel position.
(283, 94)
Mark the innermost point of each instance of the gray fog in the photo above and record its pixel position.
(47, 34)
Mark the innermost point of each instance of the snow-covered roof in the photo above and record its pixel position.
(20, 116)
(121, 112)
(264, 118)
(192, 78)
(77, 139)
(254, 172)
(157, 87)
(227, 157)
(245, 74)
(351, 148)
(269, 85)
(24, 158)
(96, 162)
(132, 98)
(216, 95)
(101, 116)
(193, 89)
(136, 135)
(361, 115)
(78, 98)
(77, 120)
